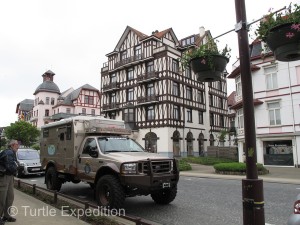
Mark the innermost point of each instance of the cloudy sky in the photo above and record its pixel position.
(72, 37)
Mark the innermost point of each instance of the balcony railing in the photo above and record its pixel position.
(111, 86)
(147, 100)
(129, 60)
(111, 106)
(150, 76)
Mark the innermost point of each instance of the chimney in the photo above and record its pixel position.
(201, 31)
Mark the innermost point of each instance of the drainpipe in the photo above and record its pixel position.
(293, 112)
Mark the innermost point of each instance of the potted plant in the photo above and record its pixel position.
(281, 32)
(206, 61)
(222, 136)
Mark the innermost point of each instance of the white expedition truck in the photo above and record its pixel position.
(98, 151)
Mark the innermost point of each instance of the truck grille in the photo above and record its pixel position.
(157, 167)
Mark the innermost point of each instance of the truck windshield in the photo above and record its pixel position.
(118, 144)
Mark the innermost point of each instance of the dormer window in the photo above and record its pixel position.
(188, 41)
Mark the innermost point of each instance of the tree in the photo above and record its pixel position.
(23, 132)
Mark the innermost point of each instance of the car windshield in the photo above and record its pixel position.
(25, 155)
(118, 144)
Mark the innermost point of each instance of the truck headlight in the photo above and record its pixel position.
(129, 168)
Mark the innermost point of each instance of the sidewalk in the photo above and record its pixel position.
(288, 175)
(29, 210)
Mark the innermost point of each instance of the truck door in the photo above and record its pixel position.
(61, 147)
(88, 164)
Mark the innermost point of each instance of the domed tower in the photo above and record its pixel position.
(46, 95)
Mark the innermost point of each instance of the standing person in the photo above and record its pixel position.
(9, 161)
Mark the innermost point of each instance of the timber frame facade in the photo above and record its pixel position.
(169, 111)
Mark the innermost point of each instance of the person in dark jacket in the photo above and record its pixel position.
(9, 161)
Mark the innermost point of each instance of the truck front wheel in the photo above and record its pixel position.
(52, 180)
(109, 192)
(164, 196)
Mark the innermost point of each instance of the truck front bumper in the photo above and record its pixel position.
(149, 183)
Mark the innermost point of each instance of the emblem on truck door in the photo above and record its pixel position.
(51, 150)
(87, 168)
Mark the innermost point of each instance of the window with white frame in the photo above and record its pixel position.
(93, 112)
(130, 94)
(150, 113)
(200, 115)
(274, 113)
(83, 111)
(175, 65)
(47, 100)
(175, 88)
(113, 78)
(238, 86)
(68, 110)
(189, 115)
(271, 77)
(176, 112)
(150, 89)
(138, 52)
(240, 118)
(130, 74)
(189, 93)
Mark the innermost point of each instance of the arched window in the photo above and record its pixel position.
(176, 143)
(189, 143)
(211, 140)
(201, 144)
(151, 142)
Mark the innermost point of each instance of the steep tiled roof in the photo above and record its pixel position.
(231, 99)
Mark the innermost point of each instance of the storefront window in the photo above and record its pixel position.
(278, 153)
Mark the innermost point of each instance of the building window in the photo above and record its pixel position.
(240, 117)
(113, 78)
(68, 111)
(93, 112)
(238, 86)
(221, 122)
(130, 95)
(200, 115)
(150, 89)
(188, 72)
(175, 65)
(47, 112)
(189, 93)
(271, 77)
(176, 112)
(200, 96)
(189, 115)
(150, 67)
(212, 119)
(211, 102)
(47, 100)
(220, 103)
(89, 100)
(83, 111)
(113, 98)
(52, 101)
(150, 113)
(129, 115)
(123, 55)
(175, 88)
(274, 113)
(138, 52)
(130, 74)
(188, 41)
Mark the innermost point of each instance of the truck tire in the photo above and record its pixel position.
(164, 196)
(52, 180)
(109, 192)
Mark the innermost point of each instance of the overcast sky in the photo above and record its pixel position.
(72, 37)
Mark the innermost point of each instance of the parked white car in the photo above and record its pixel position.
(29, 162)
(294, 218)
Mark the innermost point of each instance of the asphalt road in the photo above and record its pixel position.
(200, 201)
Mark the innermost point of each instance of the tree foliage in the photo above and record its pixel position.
(23, 132)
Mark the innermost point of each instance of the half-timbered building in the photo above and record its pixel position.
(168, 110)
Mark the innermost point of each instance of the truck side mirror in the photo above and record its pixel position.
(93, 152)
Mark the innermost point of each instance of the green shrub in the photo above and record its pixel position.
(237, 167)
(184, 166)
(207, 160)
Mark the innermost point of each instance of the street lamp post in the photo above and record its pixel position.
(252, 187)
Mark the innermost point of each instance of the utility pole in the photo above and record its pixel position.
(252, 187)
